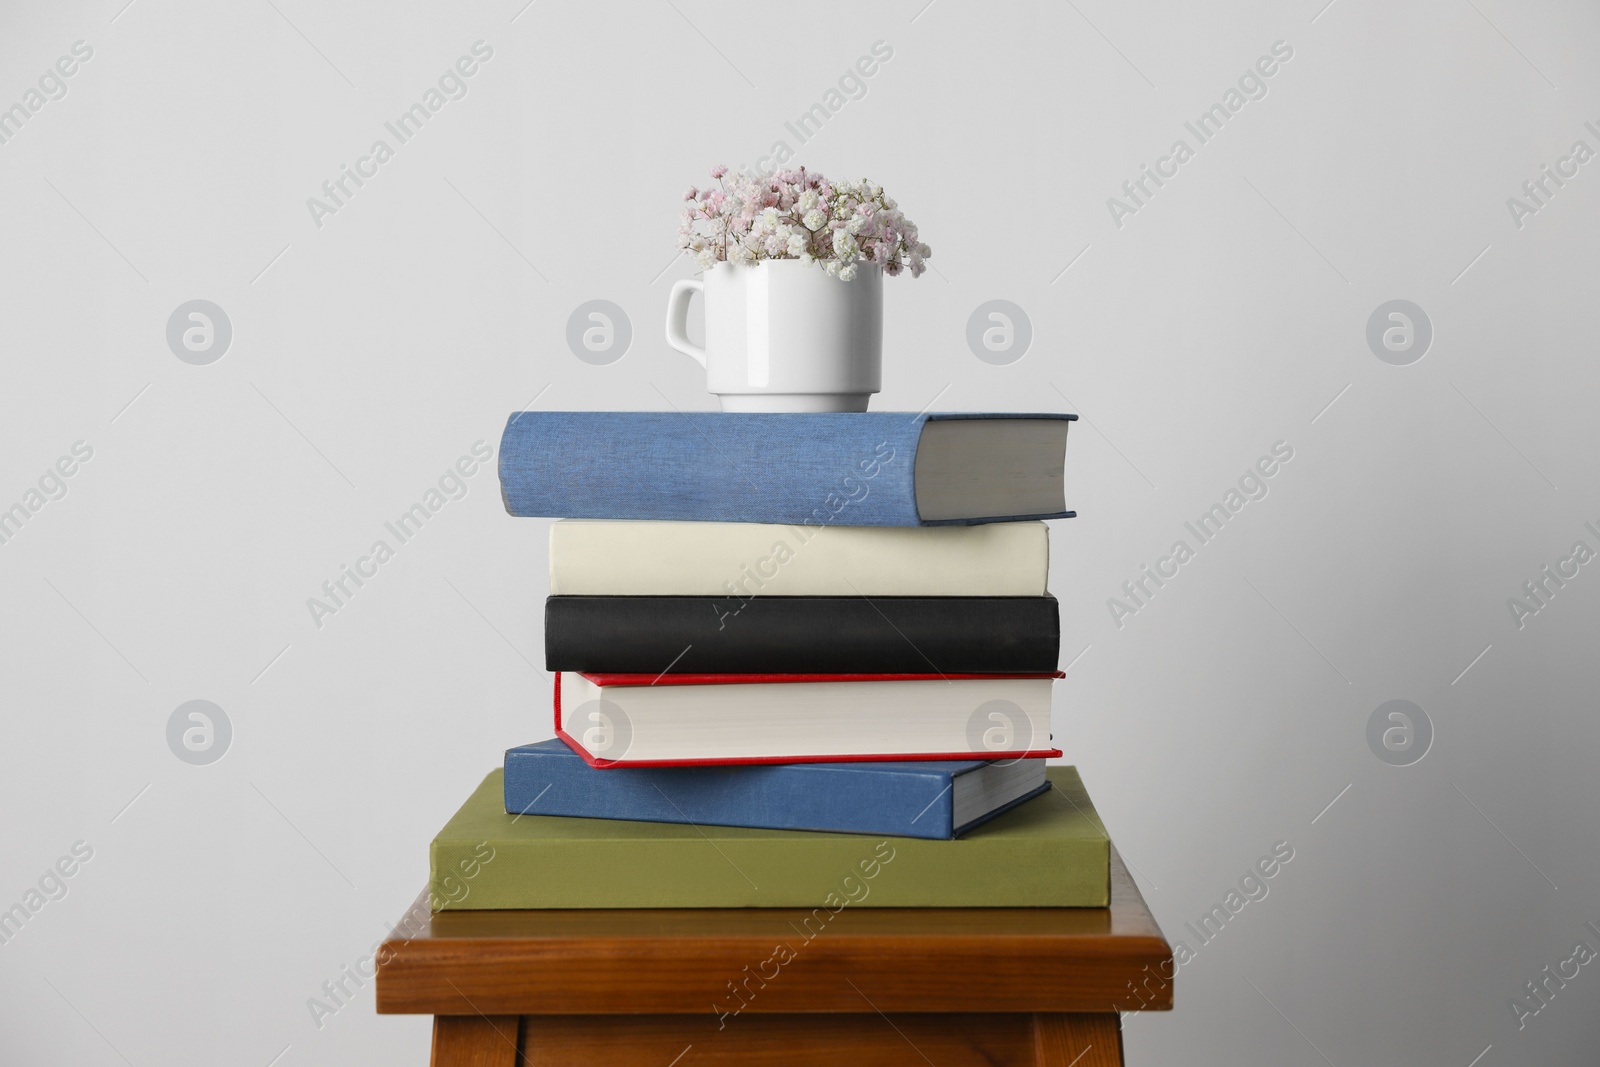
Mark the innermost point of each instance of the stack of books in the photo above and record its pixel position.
(800, 660)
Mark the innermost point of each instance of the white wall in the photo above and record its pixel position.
(1227, 314)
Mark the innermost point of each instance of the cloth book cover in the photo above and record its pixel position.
(901, 799)
(1051, 851)
(801, 634)
(844, 469)
(601, 557)
(700, 720)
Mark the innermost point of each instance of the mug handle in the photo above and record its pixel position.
(678, 318)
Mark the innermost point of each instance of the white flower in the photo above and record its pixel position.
(840, 226)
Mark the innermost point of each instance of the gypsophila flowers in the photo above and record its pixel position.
(797, 214)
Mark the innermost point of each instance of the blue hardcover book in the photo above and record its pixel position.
(857, 469)
(931, 800)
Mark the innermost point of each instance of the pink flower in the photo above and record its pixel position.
(689, 193)
(795, 213)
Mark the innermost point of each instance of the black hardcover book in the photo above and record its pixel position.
(801, 634)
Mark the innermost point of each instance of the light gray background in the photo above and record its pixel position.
(368, 354)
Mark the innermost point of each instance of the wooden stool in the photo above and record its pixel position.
(781, 987)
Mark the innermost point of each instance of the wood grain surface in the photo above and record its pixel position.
(868, 1040)
(474, 1041)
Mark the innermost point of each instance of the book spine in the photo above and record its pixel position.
(797, 797)
(603, 558)
(560, 712)
(757, 634)
(815, 871)
(809, 470)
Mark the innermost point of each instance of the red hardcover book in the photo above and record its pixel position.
(706, 719)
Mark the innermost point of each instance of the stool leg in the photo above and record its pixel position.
(1060, 1040)
(474, 1041)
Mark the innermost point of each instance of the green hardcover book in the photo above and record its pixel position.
(1051, 851)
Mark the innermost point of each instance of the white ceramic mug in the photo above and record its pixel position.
(784, 335)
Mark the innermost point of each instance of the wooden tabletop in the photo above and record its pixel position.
(576, 962)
